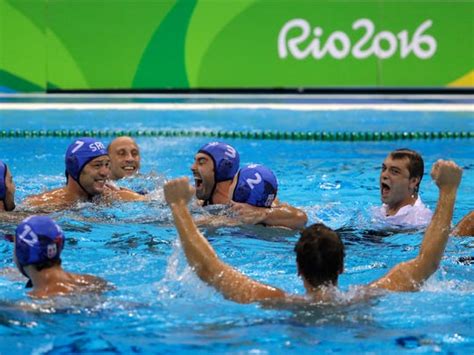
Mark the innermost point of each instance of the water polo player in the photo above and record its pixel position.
(87, 173)
(39, 242)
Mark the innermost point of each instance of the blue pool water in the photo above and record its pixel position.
(159, 305)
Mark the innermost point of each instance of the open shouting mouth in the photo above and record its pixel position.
(384, 189)
(197, 182)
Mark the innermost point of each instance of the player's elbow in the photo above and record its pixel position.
(428, 266)
(210, 274)
(300, 219)
(433, 266)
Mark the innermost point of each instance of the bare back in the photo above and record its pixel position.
(52, 200)
(69, 283)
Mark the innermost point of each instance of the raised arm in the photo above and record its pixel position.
(203, 259)
(410, 275)
(281, 215)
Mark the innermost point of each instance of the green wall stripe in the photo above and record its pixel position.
(16, 83)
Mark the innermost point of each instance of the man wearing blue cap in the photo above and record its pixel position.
(7, 189)
(255, 185)
(319, 253)
(87, 172)
(38, 245)
(214, 167)
(7, 197)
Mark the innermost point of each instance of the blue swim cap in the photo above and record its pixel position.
(38, 239)
(81, 152)
(226, 160)
(256, 185)
(3, 176)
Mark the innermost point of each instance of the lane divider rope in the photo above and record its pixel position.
(312, 136)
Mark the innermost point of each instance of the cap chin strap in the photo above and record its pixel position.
(89, 196)
(5, 198)
(209, 200)
(29, 283)
(5, 205)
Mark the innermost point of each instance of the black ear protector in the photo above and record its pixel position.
(73, 164)
(241, 192)
(268, 190)
(223, 169)
(4, 188)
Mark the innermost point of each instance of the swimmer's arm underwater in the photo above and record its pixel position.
(281, 215)
(410, 275)
(202, 257)
(124, 194)
(217, 221)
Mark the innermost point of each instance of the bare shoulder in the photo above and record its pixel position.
(91, 283)
(466, 226)
(48, 198)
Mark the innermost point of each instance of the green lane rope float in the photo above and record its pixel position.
(275, 135)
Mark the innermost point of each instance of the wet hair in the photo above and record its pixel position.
(319, 255)
(416, 166)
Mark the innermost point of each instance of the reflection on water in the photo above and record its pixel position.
(161, 306)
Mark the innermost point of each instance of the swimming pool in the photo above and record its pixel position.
(161, 306)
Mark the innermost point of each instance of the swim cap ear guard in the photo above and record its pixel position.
(226, 160)
(256, 185)
(81, 152)
(37, 239)
(3, 176)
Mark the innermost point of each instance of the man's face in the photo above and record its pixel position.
(396, 186)
(95, 174)
(9, 203)
(203, 172)
(124, 157)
